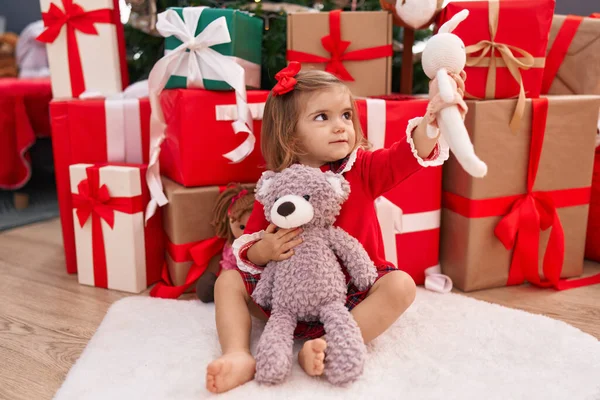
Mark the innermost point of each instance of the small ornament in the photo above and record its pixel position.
(415, 14)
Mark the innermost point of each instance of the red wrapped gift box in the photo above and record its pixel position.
(409, 214)
(93, 131)
(23, 117)
(499, 33)
(199, 133)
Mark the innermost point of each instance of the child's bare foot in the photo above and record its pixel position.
(312, 356)
(229, 371)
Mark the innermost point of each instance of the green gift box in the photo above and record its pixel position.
(246, 33)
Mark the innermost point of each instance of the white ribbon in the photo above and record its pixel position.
(201, 60)
(436, 281)
(376, 118)
(228, 112)
(251, 69)
(123, 123)
(394, 222)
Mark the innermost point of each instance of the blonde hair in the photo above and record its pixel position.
(228, 207)
(279, 145)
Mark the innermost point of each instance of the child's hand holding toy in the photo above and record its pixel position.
(443, 61)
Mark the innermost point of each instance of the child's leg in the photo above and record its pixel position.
(389, 297)
(236, 366)
(386, 301)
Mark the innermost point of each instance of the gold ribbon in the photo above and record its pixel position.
(509, 60)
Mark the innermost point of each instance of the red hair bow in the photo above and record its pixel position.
(285, 79)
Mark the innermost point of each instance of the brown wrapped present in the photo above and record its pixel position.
(190, 237)
(573, 61)
(186, 220)
(355, 46)
(538, 178)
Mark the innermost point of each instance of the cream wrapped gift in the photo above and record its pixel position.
(86, 46)
(114, 249)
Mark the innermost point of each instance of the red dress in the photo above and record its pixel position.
(370, 174)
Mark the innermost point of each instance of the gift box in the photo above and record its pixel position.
(114, 248)
(573, 59)
(526, 220)
(86, 46)
(506, 44)
(200, 155)
(409, 214)
(355, 46)
(191, 244)
(94, 131)
(244, 48)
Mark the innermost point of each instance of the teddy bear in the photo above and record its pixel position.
(310, 285)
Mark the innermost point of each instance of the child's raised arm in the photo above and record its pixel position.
(383, 169)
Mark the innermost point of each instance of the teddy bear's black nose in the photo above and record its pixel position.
(286, 208)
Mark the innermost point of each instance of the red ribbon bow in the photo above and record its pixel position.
(520, 230)
(285, 79)
(75, 18)
(199, 252)
(337, 47)
(95, 201)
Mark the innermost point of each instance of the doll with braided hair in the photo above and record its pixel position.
(230, 215)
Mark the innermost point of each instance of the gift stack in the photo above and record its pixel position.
(205, 126)
(526, 220)
(100, 137)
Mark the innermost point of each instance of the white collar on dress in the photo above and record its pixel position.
(350, 162)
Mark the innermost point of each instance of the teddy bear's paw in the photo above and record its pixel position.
(345, 355)
(345, 370)
(272, 367)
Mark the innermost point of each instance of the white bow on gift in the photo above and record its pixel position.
(394, 222)
(202, 60)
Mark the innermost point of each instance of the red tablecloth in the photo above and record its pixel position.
(24, 115)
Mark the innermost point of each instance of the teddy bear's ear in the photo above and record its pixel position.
(263, 184)
(339, 184)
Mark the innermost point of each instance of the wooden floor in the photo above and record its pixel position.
(46, 317)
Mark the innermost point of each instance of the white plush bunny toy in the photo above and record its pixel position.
(443, 58)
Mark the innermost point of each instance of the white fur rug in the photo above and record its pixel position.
(444, 347)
